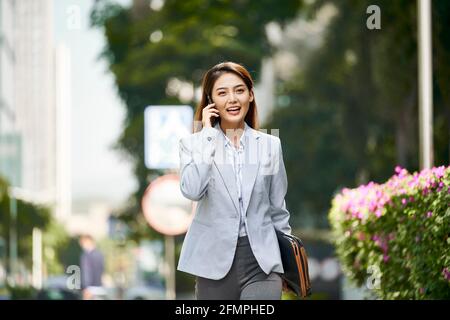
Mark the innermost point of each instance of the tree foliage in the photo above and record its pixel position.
(29, 216)
(353, 112)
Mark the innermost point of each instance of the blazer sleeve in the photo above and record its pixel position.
(196, 156)
(278, 190)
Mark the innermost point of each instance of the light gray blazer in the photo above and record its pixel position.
(206, 177)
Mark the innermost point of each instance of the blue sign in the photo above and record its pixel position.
(164, 127)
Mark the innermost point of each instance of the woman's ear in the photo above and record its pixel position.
(251, 95)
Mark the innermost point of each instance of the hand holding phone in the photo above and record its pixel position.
(209, 113)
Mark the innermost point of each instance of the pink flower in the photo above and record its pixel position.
(429, 214)
(446, 274)
(372, 206)
(378, 213)
(439, 171)
(345, 206)
(385, 258)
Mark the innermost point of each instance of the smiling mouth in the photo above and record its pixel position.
(233, 110)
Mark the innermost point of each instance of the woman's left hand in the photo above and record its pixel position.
(285, 287)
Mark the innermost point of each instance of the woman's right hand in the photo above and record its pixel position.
(208, 112)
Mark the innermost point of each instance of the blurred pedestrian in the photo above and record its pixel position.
(92, 268)
(237, 175)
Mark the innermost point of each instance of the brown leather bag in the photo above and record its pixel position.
(295, 264)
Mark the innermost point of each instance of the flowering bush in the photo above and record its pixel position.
(395, 237)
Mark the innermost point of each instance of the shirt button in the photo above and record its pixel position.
(209, 138)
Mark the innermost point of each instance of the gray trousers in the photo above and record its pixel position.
(245, 280)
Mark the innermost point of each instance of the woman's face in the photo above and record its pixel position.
(232, 98)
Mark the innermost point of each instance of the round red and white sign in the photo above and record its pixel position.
(165, 208)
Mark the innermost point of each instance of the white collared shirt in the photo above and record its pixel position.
(236, 158)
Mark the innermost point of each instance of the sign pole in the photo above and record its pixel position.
(170, 267)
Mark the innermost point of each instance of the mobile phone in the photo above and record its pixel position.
(213, 120)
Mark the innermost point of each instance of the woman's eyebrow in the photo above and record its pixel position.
(239, 85)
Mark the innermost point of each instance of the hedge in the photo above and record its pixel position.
(393, 238)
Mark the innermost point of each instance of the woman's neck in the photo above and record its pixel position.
(232, 126)
(233, 131)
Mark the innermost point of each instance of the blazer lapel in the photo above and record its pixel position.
(251, 166)
(226, 171)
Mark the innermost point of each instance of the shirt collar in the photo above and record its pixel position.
(227, 140)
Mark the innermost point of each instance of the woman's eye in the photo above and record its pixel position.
(240, 90)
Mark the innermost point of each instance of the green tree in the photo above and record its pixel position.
(29, 216)
(60, 249)
(353, 109)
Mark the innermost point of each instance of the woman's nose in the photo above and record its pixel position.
(232, 97)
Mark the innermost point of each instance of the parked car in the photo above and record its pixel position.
(145, 292)
(55, 288)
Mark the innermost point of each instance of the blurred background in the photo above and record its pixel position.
(77, 75)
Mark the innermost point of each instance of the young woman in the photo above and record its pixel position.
(237, 176)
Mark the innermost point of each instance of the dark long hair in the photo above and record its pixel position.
(210, 77)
